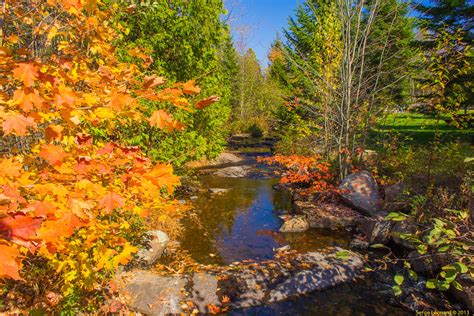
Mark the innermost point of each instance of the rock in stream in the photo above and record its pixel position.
(242, 285)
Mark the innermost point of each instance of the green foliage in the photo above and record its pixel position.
(446, 84)
(446, 235)
(421, 166)
(187, 40)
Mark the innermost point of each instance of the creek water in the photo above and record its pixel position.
(242, 224)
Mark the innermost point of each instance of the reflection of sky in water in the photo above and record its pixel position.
(243, 241)
(243, 223)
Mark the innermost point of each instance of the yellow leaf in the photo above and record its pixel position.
(126, 255)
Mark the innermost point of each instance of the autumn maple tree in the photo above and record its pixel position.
(64, 196)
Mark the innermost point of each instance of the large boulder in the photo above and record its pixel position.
(360, 191)
(377, 230)
(157, 243)
(327, 215)
(295, 224)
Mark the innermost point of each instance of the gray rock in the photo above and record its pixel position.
(360, 191)
(428, 262)
(275, 280)
(359, 244)
(234, 172)
(204, 290)
(217, 190)
(246, 285)
(369, 157)
(157, 245)
(284, 248)
(295, 224)
(316, 279)
(381, 232)
(377, 230)
(403, 227)
(226, 158)
(153, 294)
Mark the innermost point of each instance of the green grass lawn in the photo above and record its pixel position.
(420, 128)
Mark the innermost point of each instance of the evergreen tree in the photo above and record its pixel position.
(390, 53)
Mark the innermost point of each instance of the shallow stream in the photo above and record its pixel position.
(242, 224)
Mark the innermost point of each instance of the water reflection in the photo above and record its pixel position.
(243, 223)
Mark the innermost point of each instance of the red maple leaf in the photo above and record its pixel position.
(19, 227)
(201, 104)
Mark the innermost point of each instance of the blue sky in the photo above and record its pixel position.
(259, 21)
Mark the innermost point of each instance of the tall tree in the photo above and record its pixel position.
(255, 94)
(348, 58)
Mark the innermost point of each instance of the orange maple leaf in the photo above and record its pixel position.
(225, 299)
(112, 200)
(10, 168)
(52, 230)
(63, 96)
(10, 262)
(27, 73)
(119, 100)
(28, 102)
(43, 208)
(19, 227)
(17, 124)
(160, 119)
(54, 132)
(54, 154)
(201, 104)
(191, 88)
(152, 81)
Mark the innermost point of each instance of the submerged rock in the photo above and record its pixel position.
(295, 224)
(156, 246)
(234, 172)
(217, 190)
(360, 191)
(244, 285)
